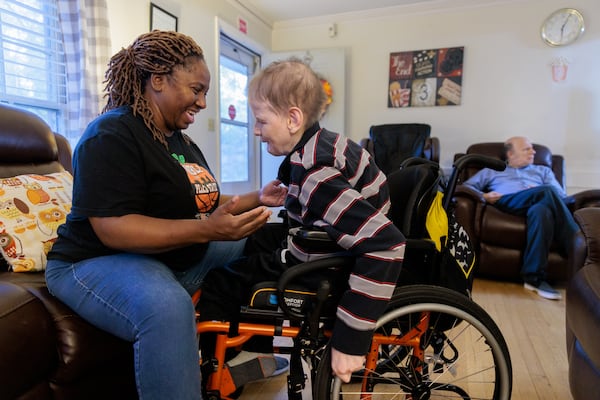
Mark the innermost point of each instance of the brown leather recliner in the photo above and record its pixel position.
(46, 350)
(499, 238)
(583, 311)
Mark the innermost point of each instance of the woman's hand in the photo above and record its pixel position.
(344, 364)
(273, 194)
(229, 226)
(148, 235)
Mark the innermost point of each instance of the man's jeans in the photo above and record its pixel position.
(140, 300)
(548, 220)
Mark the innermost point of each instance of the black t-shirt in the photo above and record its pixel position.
(120, 169)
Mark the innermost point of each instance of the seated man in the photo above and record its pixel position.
(532, 191)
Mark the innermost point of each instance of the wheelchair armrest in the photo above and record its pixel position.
(296, 271)
(310, 234)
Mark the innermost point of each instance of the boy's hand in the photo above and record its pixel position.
(273, 194)
(343, 365)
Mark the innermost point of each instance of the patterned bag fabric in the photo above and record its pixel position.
(457, 259)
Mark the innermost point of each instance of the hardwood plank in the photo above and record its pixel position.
(534, 329)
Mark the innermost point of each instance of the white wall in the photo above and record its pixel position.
(507, 84)
(200, 19)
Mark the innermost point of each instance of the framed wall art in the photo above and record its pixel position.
(423, 78)
(162, 19)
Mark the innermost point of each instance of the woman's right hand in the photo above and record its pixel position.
(142, 234)
(230, 226)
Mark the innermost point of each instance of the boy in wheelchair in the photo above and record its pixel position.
(333, 186)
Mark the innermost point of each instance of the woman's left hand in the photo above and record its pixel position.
(273, 194)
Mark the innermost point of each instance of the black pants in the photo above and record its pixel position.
(225, 290)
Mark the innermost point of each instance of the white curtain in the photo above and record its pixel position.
(86, 37)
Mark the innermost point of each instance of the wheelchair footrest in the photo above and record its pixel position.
(253, 369)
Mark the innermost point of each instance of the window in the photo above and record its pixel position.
(32, 59)
(234, 120)
(239, 148)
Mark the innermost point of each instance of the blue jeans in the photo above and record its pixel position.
(548, 220)
(140, 300)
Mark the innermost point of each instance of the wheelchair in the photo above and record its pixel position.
(432, 342)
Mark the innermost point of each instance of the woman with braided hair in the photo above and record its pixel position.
(148, 220)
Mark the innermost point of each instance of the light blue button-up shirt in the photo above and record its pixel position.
(513, 180)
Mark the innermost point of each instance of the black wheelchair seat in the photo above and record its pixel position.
(304, 290)
(298, 298)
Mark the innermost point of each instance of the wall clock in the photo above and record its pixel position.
(562, 27)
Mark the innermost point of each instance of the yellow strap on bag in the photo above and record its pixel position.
(437, 222)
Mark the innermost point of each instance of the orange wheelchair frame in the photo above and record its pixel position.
(221, 382)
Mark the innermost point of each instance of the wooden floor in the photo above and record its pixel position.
(534, 329)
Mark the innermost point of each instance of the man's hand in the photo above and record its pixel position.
(344, 364)
(492, 197)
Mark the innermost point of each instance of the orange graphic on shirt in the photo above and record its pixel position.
(205, 187)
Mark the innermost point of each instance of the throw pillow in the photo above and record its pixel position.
(32, 207)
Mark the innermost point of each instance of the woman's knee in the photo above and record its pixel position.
(170, 302)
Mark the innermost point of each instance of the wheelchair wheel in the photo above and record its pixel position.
(459, 353)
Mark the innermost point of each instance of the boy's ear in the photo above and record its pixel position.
(295, 119)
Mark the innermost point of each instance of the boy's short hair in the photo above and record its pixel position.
(290, 83)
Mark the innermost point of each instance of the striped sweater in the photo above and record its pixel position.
(334, 185)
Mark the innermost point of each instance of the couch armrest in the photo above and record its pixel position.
(589, 220)
(558, 167)
(64, 152)
(586, 198)
(470, 193)
(577, 254)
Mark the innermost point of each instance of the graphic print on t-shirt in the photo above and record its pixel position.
(205, 187)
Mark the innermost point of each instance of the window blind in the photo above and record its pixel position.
(32, 58)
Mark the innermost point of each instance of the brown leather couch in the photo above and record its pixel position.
(46, 350)
(499, 238)
(583, 312)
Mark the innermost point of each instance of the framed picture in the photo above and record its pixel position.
(162, 19)
(423, 78)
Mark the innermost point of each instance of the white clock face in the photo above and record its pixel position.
(562, 27)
